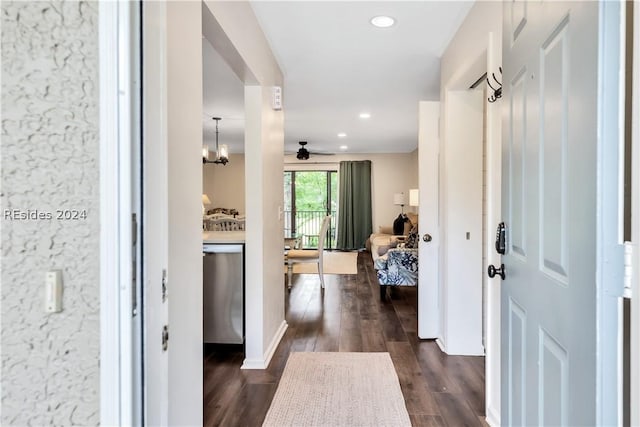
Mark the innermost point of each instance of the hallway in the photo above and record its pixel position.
(438, 389)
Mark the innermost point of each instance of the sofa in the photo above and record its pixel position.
(379, 243)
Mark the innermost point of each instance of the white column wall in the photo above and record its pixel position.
(240, 41)
(184, 116)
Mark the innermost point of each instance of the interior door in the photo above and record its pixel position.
(550, 373)
(429, 220)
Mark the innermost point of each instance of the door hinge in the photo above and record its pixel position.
(629, 269)
(164, 285)
(134, 264)
(165, 337)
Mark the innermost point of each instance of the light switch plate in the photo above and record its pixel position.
(53, 291)
(276, 100)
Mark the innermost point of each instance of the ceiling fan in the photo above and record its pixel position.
(303, 153)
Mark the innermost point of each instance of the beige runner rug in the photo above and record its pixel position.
(338, 389)
(334, 263)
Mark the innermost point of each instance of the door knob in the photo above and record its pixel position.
(426, 237)
(499, 271)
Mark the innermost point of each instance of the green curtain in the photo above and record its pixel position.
(354, 207)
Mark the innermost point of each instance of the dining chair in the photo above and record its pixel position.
(227, 224)
(309, 255)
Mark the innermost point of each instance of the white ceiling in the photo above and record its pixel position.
(337, 65)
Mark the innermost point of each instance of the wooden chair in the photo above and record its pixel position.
(301, 255)
(226, 224)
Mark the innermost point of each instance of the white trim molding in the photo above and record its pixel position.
(635, 227)
(268, 354)
(116, 358)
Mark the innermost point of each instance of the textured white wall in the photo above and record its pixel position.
(50, 154)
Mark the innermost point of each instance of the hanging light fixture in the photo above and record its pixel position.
(222, 151)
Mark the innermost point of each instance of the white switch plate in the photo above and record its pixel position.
(53, 291)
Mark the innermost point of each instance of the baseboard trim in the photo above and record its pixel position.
(443, 348)
(264, 362)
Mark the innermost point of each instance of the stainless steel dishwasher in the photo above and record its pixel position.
(223, 293)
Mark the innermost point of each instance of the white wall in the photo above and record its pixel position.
(236, 34)
(184, 115)
(481, 32)
(225, 185)
(50, 160)
(461, 166)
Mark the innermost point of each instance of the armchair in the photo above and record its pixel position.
(398, 267)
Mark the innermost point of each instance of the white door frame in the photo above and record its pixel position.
(115, 210)
(429, 220)
(635, 227)
(493, 136)
(119, 402)
(493, 177)
(610, 224)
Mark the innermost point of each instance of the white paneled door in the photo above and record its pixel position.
(551, 207)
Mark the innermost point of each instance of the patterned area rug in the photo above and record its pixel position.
(338, 389)
(334, 263)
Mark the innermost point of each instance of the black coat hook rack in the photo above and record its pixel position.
(497, 91)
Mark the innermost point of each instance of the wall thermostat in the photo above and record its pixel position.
(276, 99)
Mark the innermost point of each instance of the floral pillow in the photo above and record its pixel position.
(412, 239)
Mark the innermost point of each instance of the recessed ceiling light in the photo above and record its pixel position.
(365, 115)
(382, 21)
(343, 147)
(342, 135)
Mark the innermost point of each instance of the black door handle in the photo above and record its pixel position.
(499, 271)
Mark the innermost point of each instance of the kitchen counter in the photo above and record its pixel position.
(217, 237)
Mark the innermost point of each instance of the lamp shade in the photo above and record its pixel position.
(205, 200)
(414, 197)
(223, 152)
(398, 199)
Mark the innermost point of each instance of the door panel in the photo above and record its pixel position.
(517, 214)
(552, 378)
(517, 363)
(553, 146)
(550, 58)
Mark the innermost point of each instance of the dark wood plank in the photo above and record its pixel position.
(429, 357)
(418, 420)
(251, 404)
(455, 411)
(471, 382)
(372, 337)
(417, 396)
(350, 335)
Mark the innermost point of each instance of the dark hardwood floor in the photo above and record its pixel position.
(439, 390)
